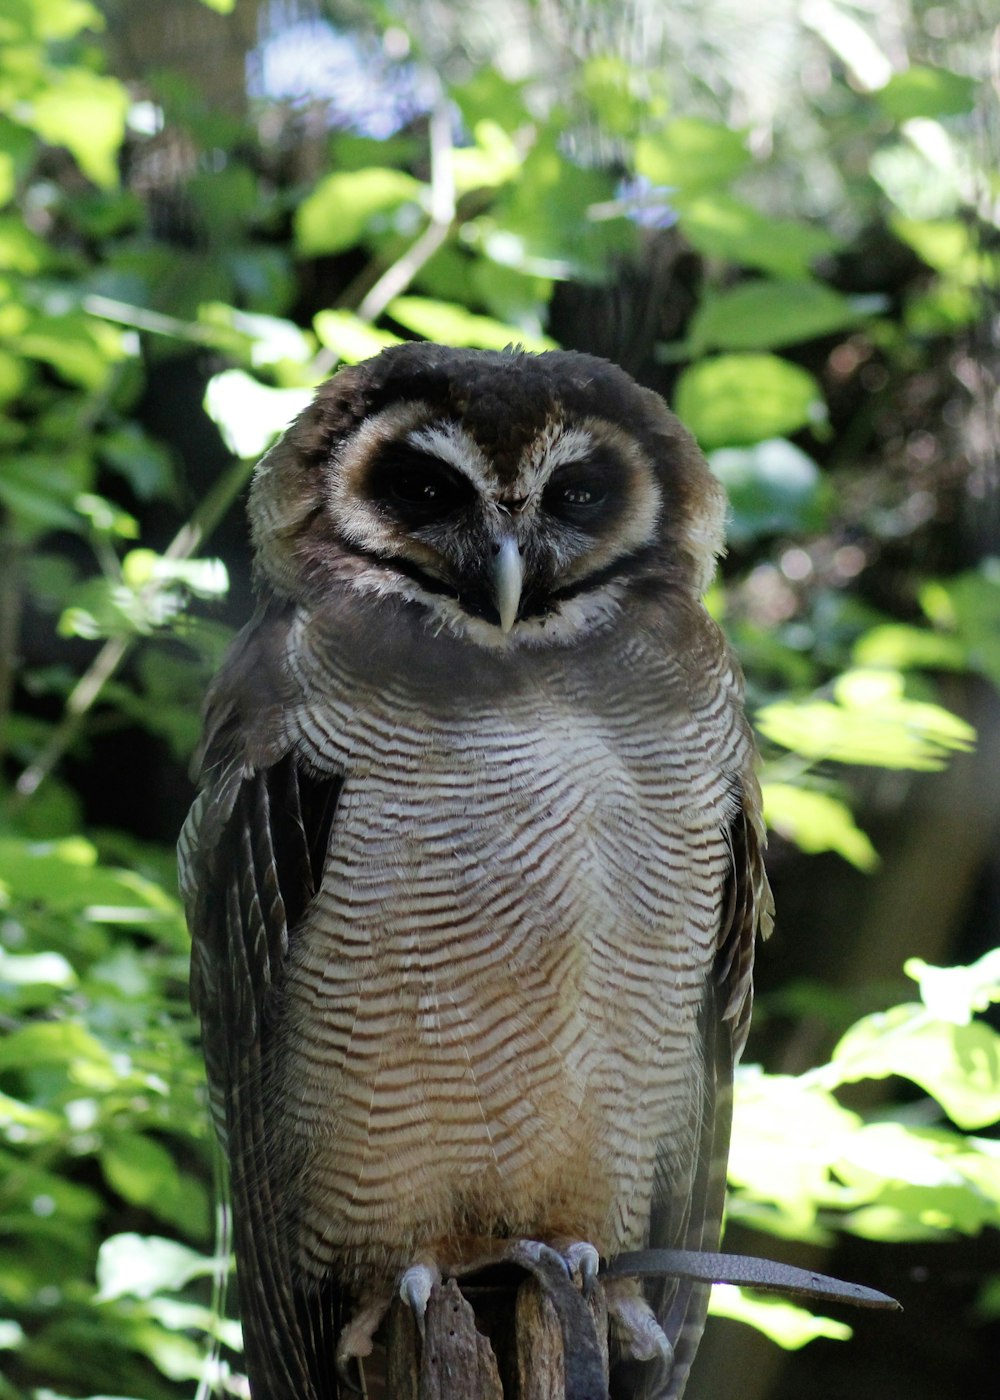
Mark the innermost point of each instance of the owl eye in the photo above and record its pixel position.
(419, 489)
(575, 491)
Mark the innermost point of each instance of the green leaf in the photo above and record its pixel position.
(765, 315)
(899, 646)
(735, 400)
(773, 489)
(785, 1323)
(140, 1265)
(718, 225)
(816, 821)
(791, 1172)
(451, 324)
(85, 113)
(343, 206)
(869, 721)
(249, 414)
(691, 154)
(349, 337)
(955, 993)
(958, 1065)
(926, 92)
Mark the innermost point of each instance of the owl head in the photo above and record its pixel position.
(509, 498)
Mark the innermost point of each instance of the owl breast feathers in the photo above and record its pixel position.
(474, 875)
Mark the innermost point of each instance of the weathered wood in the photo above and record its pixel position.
(455, 1360)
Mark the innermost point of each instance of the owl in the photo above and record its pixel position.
(474, 876)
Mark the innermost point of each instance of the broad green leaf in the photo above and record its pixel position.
(969, 605)
(765, 315)
(817, 821)
(249, 414)
(926, 92)
(342, 207)
(951, 248)
(956, 993)
(349, 337)
(899, 646)
(773, 488)
(27, 969)
(958, 1065)
(735, 400)
(691, 154)
(785, 1323)
(50, 20)
(85, 113)
(551, 221)
(451, 324)
(766, 1164)
(141, 1265)
(718, 225)
(869, 721)
(52, 1043)
(492, 161)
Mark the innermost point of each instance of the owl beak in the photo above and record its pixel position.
(508, 576)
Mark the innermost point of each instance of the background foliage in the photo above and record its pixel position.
(785, 223)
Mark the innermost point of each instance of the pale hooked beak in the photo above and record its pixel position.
(508, 576)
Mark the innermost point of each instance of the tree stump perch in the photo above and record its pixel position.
(507, 1343)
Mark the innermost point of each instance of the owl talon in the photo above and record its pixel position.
(634, 1321)
(584, 1259)
(415, 1287)
(358, 1338)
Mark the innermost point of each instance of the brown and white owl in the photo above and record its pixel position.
(474, 877)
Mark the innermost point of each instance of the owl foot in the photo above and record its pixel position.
(579, 1260)
(634, 1322)
(415, 1287)
(358, 1338)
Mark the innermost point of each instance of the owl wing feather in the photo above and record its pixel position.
(251, 860)
(687, 1214)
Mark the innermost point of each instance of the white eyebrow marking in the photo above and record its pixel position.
(452, 444)
(556, 445)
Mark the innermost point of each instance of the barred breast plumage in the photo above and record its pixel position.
(473, 883)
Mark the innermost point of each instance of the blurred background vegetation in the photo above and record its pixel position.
(782, 216)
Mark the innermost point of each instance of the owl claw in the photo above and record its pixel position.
(415, 1287)
(635, 1322)
(357, 1339)
(583, 1257)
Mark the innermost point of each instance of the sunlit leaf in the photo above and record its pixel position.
(691, 154)
(817, 821)
(735, 400)
(452, 324)
(718, 225)
(899, 646)
(342, 207)
(769, 1166)
(349, 337)
(249, 414)
(870, 721)
(785, 1323)
(141, 1265)
(926, 92)
(767, 314)
(956, 993)
(773, 488)
(85, 113)
(959, 1065)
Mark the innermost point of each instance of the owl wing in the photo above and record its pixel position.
(251, 859)
(687, 1213)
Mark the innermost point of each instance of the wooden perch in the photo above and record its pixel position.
(504, 1344)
